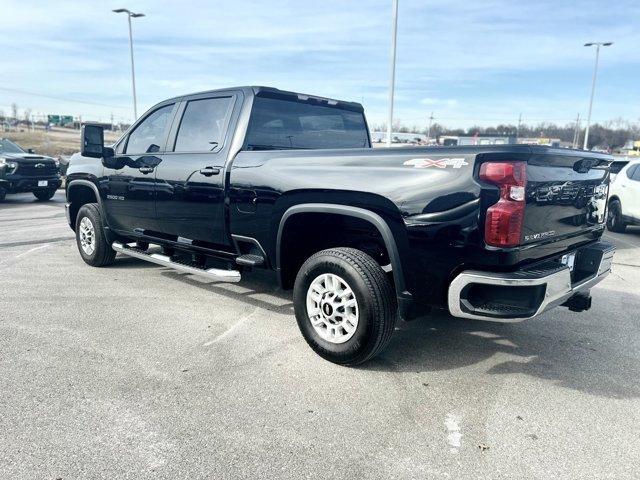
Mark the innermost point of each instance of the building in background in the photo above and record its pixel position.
(631, 148)
(460, 140)
(546, 141)
(399, 139)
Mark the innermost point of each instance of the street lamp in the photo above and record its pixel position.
(593, 86)
(131, 15)
(392, 77)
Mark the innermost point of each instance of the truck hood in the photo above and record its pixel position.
(26, 157)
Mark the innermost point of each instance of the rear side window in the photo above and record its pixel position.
(631, 170)
(278, 123)
(636, 174)
(615, 167)
(203, 124)
(148, 136)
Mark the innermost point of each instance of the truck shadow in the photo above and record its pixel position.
(554, 349)
(547, 348)
(257, 290)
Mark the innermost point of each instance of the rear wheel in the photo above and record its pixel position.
(92, 243)
(615, 223)
(345, 305)
(44, 195)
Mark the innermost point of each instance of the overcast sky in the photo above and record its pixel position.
(479, 62)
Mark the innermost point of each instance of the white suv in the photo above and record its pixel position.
(624, 198)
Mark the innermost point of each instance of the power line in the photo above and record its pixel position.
(33, 94)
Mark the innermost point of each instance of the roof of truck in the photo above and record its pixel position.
(256, 89)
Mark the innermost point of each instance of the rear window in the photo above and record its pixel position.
(203, 124)
(278, 124)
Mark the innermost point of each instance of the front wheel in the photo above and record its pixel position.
(44, 195)
(345, 305)
(92, 243)
(615, 223)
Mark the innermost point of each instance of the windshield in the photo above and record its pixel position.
(7, 146)
(279, 123)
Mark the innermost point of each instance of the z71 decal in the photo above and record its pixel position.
(440, 163)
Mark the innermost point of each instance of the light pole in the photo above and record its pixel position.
(593, 86)
(431, 119)
(131, 15)
(392, 77)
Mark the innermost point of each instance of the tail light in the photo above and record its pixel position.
(503, 226)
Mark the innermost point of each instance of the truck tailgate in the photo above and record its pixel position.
(566, 194)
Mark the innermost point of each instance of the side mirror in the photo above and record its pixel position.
(92, 141)
(109, 159)
(30, 150)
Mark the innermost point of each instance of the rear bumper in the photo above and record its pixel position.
(526, 293)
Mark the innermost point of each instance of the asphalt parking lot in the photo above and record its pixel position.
(135, 371)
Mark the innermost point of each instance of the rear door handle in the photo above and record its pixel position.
(209, 171)
(146, 170)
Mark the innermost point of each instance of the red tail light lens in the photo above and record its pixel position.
(503, 225)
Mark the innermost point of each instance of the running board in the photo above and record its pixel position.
(165, 261)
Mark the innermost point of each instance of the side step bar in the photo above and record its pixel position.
(211, 273)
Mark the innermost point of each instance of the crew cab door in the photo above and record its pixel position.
(190, 180)
(129, 199)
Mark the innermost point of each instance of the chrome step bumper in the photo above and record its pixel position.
(211, 273)
(526, 293)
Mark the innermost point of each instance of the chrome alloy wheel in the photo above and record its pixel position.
(87, 236)
(332, 308)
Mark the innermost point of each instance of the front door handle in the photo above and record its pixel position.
(208, 171)
(146, 170)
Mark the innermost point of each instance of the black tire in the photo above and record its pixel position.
(44, 195)
(376, 303)
(102, 254)
(615, 223)
(3, 194)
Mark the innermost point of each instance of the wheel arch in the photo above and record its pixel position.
(372, 218)
(614, 198)
(79, 193)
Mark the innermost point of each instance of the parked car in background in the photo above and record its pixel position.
(24, 171)
(63, 164)
(624, 198)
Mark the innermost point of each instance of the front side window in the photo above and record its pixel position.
(636, 174)
(148, 136)
(203, 124)
(7, 146)
(278, 123)
(631, 170)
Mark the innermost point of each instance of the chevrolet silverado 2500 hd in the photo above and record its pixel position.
(226, 181)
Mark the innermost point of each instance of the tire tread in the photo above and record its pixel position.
(104, 254)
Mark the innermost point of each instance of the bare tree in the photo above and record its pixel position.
(14, 111)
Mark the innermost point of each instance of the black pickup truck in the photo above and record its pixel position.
(221, 182)
(24, 171)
